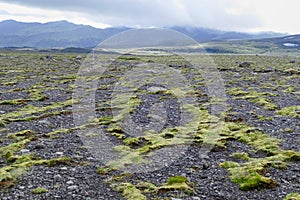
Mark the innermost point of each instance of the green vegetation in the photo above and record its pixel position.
(18, 164)
(39, 190)
(105, 170)
(292, 111)
(241, 156)
(129, 191)
(292, 196)
(254, 92)
(177, 183)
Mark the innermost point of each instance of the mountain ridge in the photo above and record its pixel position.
(62, 34)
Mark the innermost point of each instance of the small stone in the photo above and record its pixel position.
(57, 176)
(72, 187)
(24, 151)
(64, 168)
(59, 153)
(155, 89)
(21, 187)
(70, 183)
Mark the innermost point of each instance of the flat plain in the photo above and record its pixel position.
(252, 143)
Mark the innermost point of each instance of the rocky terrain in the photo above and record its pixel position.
(149, 127)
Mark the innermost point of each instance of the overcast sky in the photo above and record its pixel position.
(237, 15)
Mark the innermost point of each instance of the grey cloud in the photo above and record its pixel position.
(207, 13)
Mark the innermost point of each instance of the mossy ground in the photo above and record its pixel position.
(36, 89)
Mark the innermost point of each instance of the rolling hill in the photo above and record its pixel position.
(62, 34)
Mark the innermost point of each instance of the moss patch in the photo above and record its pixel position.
(39, 190)
(292, 196)
(18, 164)
(129, 191)
(292, 111)
(176, 183)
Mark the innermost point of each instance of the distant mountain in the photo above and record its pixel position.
(288, 42)
(65, 34)
(52, 34)
(206, 35)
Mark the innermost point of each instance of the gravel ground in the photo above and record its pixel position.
(79, 179)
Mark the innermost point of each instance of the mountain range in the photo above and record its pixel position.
(62, 34)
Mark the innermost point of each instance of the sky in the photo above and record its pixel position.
(234, 15)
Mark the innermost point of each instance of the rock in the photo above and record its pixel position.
(21, 187)
(39, 146)
(57, 176)
(245, 64)
(24, 151)
(72, 187)
(70, 183)
(155, 89)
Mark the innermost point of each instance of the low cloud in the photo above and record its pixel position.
(204, 13)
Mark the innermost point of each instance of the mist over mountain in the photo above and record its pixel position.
(62, 34)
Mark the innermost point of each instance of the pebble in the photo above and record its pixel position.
(24, 150)
(21, 187)
(57, 176)
(70, 183)
(72, 187)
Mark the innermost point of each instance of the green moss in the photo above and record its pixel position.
(263, 118)
(7, 152)
(104, 170)
(59, 131)
(147, 187)
(129, 191)
(265, 103)
(251, 136)
(290, 89)
(176, 179)
(237, 91)
(39, 190)
(21, 135)
(292, 196)
(251, 180)
(2, 124)
(10, 83)
(176, 183)
(241, 156)
(14, 102)
(229, 164)
(133, 141)
(292, 111)
(9, 174)
(240, 93)
(119, 135)
(249, 174)
(30, 110)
